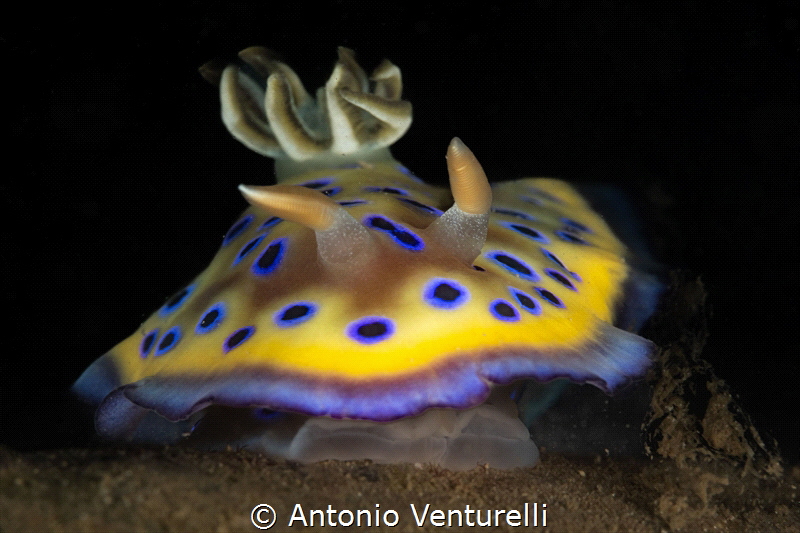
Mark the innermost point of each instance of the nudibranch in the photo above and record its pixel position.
(353, 311)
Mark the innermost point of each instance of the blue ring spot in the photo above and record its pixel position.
(527, 232)
(295, 313)
(333, 191)
(370, 329)
(270, 222)
(270, 258)
(531, 200)
(512, 213)
(407, 172)
(147, 343)
(211, 318)
(237, 229)
(551, 298)
(176, 300)
(566, 236)
(247, 248)
(552, 257)
(380, 223)
(559, 277)
(401, 235)
(445, 293)
(543, 194)
(168, 341)
(388, 190)
(514, 265)
(526, 301)
(504, 310)
(575, 225)
(317, 184)
(237, 337)
(420, 205)
(348, 203)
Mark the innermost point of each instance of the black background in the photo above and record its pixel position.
(120, 178)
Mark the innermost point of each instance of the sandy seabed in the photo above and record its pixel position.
(708, 469)
(186, 490)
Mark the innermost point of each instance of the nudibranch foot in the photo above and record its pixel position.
(354, 311)
(491, 433)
